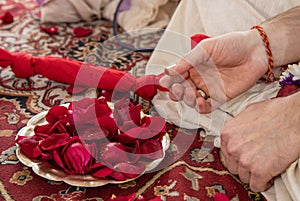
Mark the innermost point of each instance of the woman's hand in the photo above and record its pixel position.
(263, 140)
(222, 67)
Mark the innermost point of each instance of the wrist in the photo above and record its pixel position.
(259, 55)
(277, 43)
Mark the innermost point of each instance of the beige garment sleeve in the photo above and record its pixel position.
(213, 18)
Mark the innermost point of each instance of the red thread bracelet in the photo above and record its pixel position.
(269, 74)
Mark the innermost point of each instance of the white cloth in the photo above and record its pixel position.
(214, 18)
(57, 11)
(142, 14)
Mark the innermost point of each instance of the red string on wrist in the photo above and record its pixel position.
(269, 74)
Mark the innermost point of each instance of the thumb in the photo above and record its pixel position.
(196, 58)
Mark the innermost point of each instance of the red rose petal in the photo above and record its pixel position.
(55, 113)
(125, 111)
(152, 149)
(130, 197)
(119, 176)
(59, 161)
(81, 32)
(54, 141)
(91, 132)
(221, 197)
(30, 147)
(155, 124)
(103, 172)
(7, 18)
(114, 153)
(197, 38)
(77, 158)
(49, 30)
(43, 129)
(109, 124)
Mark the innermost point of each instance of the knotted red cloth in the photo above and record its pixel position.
(79, 73)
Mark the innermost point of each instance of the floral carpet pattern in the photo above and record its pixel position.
(196, 175)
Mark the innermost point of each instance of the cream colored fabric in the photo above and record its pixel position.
(214, 18)
(57, 11)
(142, 14)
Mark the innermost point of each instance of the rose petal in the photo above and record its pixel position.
(60, 162)
(90, 132)
(130, 197)
(103, 172)
(77, 158)
(114, 153)
(155, 124)
(55, 113)
(221, 197)
(125, 111)
(152, 149)
(80, 31)
(51, 30)
(30, 147)
(140, 133)
(43, 130)
(87, 110)
(7, 18)
(108, 124)
(54, 141)
(119, 176)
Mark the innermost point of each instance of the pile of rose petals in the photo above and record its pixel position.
(88, 137)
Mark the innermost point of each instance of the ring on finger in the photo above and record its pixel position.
(202, 93)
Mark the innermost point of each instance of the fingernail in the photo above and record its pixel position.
(164, 82)
(167, 69)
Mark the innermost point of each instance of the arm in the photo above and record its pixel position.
(283, 33)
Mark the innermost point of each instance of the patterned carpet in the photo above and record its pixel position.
(194, 176)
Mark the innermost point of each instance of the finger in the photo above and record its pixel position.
(244, 174)
(189, 97)
(230, 162)
(203, 106)
(260, 186)
(176, 92)
(181, 67)
(196, 77)
(167, 81)
(259, 183)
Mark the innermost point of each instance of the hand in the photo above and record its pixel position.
(222, 67)
(263, 140)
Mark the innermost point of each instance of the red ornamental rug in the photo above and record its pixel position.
(191, 173)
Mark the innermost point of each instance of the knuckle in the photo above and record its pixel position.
(231, 150)
(244, 163)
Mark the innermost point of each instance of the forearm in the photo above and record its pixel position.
(283, 34)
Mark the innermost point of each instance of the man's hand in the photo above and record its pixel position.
(263, 140)
(222, 67)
